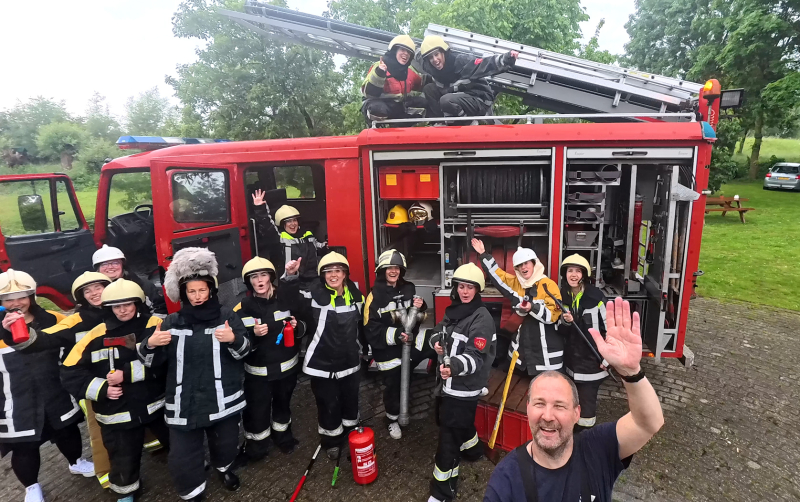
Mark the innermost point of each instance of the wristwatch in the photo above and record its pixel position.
(634, 378)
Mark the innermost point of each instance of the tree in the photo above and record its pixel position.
(744, 43)
(147, 114)
(21, 124)
(246, 87)
(61, 140)
(99, 122)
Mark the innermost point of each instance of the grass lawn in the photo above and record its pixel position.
(783, 148)
(760, 260)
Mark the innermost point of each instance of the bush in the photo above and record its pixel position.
(723, 167)
(765, 165)
(94, 154)
(60, 137)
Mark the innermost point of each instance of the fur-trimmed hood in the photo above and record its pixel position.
(188, 262)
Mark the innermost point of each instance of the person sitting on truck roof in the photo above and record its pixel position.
(540, 346)
(460, 87)
(542, 469)
(392, 88)
(587, 306)
(110, 261)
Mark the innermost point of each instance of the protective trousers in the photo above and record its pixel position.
(587, 395)
(457, 438)
(187, 454)
(453, 104)
(25, 457)
(377, 108)
(124, 448)
(268, 413)
(337, 407)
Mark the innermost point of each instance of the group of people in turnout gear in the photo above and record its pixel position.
(444, 84)
(195, 376)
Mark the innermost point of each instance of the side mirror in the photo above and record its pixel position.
(32, 214)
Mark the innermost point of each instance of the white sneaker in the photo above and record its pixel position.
(33, 493)
(82, 467)
(394, 430)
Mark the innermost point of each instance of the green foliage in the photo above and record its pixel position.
(723, 167)
(99, 122)
(57, 138)
(147, 114)
(591, 50)
(20, 125)
(246, 87)
(94, 154)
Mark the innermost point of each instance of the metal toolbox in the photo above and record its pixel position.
(581, 238)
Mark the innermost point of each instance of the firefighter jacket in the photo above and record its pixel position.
(381, 331)
(204, 376)
(540, 347)
(335, 349)
(61, 336)
(303, 245)
(589, 311)
(270, 357)
(87, 365)
(32, 391)
(466, 73)
(471, 344)
(381, 84)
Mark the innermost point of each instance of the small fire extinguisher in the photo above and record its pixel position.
(19, 330)
(362, 453)
(288, 334)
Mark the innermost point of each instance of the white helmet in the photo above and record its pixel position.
(420, 212)
(106, 253)
(521, 255)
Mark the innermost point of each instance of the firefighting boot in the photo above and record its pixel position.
(230, 480)
(332, 453)
(289, 447)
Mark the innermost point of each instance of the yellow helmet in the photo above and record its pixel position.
(16, 284)
(397, 215)
(257, 264)
(391, 258)
(121, 291)
(403, 41)
(284, 213)
(577, 260)
(84, 280)
(470, 273)
(432, 43)
(331, 259)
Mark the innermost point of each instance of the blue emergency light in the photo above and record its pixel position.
(156, 142)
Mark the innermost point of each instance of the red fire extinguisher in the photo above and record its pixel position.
(362, 453)
(288, 334)
(19, 330)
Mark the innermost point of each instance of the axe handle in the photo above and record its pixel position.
(514, 358)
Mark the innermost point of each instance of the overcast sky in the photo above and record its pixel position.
(66, 50)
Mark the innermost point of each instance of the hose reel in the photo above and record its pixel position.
(501, 185)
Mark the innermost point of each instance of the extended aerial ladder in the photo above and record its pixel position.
(543, 79)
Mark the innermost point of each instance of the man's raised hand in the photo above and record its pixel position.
(622, 347)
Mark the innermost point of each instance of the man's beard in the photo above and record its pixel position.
(552, 447)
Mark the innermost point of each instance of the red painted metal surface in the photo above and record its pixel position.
(409, 183)
(63, 301)
(513, 431)
(344, 214)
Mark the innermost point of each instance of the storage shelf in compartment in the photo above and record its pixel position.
(583, 203)
(592, 183)
(394, 225)
(581, 248)
(425, 271)
(526, 234)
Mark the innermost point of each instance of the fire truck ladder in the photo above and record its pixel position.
(543, 79)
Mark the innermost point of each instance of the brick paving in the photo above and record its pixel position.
(731, 431)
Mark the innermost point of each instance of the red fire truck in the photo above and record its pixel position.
(626, 192)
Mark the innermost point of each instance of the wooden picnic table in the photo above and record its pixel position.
(727, 205)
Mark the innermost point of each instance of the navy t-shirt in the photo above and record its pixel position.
(600, 451)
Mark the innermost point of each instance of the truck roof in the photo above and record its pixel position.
(450, 137)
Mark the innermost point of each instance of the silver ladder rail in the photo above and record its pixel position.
(539, 118)
(543, 79)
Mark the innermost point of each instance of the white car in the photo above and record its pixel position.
(785, 175)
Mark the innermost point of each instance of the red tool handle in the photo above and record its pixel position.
(19, 331)
(297, 490)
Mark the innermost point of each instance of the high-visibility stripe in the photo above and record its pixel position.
(587, 377)
(93, 390)
(469, 444)
(197, 491)
(124, 490)
(291, 363)
(228, 411)
(392, 417)
(75, 408)
(249, 322)
(388, 365)
(327, 432)
(350, 423)
(390, 334)
(153, 407)
(420, 341)
(117, 418)
(257, 436)
(279, 427)
(137, 371)
(281, 315)
(587, 422)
